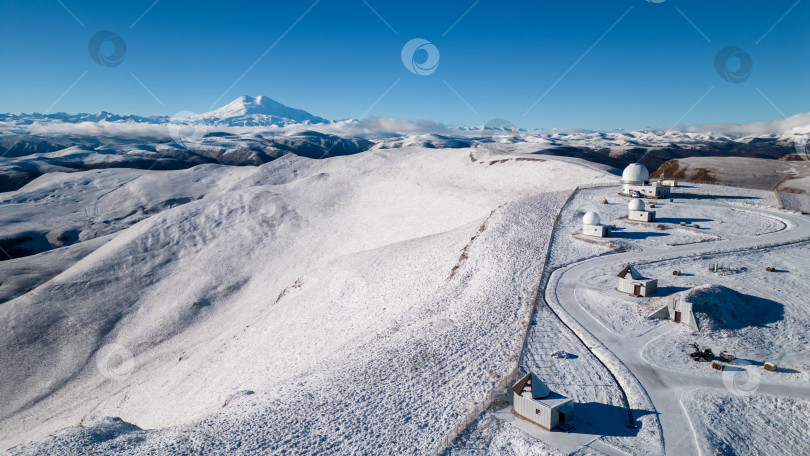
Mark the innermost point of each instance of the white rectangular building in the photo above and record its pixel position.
(595, 230)
(536, 403)
(632, 282)
(642, 216)
(652, 189)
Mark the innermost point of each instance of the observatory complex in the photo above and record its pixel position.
(636, 179)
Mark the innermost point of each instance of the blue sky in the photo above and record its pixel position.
(653, 66)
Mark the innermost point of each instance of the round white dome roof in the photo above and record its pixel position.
(635, 173)
(591, 218)
(636, 205)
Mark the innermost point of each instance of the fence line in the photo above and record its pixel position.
(717, 183)
(597, 184)
(498, 389)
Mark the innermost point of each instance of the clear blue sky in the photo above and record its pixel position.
(501, 57)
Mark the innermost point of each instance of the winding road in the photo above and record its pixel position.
(663, 386)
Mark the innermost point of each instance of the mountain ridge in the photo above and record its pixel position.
(244, 111)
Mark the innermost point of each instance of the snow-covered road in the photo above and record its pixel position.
(664, 386)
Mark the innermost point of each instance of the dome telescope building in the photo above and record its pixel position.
(591, 226)
(636, 179)
(637, 212)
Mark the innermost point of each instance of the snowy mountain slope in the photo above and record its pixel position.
(248, 111)
(158, 151)
(293, 280)
(111, 200)
(786, 175)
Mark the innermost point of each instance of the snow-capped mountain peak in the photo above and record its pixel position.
(261, 110)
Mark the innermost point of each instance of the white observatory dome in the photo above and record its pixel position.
(636, 205)
(635, 173)
(590, 218)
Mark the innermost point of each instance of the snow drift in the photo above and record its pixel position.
(719, 308)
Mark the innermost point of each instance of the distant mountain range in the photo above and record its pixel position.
(244, 111)
(235, 134)
(262, 111)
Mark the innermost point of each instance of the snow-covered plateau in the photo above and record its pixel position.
(354, 304)
(287, 285)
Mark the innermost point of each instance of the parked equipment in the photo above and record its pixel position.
(726, 357)
(701, 355)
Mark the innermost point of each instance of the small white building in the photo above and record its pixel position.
(631, 281)
(678, 311)
(591, 226)
(533, 401)
(638, 212)
(636, 178)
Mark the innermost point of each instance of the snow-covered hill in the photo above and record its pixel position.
(225, 306)
(283, 283)
(790, 176)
